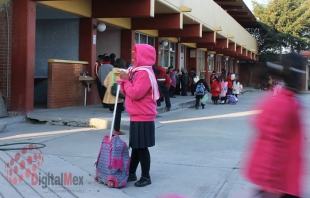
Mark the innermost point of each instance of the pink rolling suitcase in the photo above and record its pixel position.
(112, 165)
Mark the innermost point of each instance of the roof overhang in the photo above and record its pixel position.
(240, 12)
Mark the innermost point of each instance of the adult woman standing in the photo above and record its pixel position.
(110, 99)
(140, 87)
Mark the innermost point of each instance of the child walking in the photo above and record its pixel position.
(223, 93)
(200, 88)
(276, 163)
(216, 90)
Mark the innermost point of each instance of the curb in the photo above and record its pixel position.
(162, 109)
(98, 122)
(2, 125)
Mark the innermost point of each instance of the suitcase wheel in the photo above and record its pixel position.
(111, 184)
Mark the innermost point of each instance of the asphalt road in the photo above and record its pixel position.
(198, 154)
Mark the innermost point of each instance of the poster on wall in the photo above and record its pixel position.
(94, 39)
(193, 53)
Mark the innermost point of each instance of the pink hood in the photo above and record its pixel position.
(143, 55)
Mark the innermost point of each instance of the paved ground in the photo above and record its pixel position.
(198, 154)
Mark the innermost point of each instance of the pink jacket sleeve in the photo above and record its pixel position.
(139, 87)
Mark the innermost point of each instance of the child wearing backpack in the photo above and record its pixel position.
(200, 88)
(216, 90)
(223, 93)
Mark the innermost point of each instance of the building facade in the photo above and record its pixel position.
(45, 45)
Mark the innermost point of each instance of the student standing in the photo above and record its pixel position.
(110, 99)
(216, 90)
(104, 70)
(140, 88)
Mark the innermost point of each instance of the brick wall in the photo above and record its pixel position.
(244, 74)
(3, 51)
(64, 88)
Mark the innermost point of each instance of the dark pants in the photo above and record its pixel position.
(101, 89)
(183, 90)
(268, 195)
(163, 90)
(141, 155)
(171, 91)
(224, 99)
(198, 98)
(177, 90)
(193, 89)
(118, 115)
(229, 92)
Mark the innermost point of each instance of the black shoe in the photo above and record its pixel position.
(143, 182)
(196, 107)
(168, 108)
(132, 177)
(203, 107)
(172, 97)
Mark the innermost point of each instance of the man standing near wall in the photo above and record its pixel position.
(99, 86)
(104, 70)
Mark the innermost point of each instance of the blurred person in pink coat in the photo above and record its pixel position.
(275, 162)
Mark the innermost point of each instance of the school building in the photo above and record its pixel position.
(45, 45)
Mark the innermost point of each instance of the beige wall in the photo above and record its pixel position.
(109, 42)
(212, 15)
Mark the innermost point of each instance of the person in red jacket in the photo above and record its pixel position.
(216, 90)
(229, 85)
(275, 162)
(164, 82)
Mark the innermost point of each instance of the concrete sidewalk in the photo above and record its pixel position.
(96, 116)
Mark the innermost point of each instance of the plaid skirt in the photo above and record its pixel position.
(141, 134)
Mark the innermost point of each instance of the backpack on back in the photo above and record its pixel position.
(200, 89)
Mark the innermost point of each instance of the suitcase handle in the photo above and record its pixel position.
(114, 112)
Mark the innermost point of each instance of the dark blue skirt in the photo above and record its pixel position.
(141, 134)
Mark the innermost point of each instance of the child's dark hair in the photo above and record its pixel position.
(120, 63)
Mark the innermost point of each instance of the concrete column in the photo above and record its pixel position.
(177, 55)
(87, 52)
(23, 55)
(127, 43)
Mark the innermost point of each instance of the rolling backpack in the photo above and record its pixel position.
(200, 89)
(232, 99)
(112, 165)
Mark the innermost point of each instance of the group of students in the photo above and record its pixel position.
(222, 87)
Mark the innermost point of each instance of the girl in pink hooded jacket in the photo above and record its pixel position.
(140, 88)
(275, 162)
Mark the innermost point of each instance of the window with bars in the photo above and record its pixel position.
(168, 55)
(231, 63)
(211, 64)
(144, 39)
(236, 68)
(201, 62)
